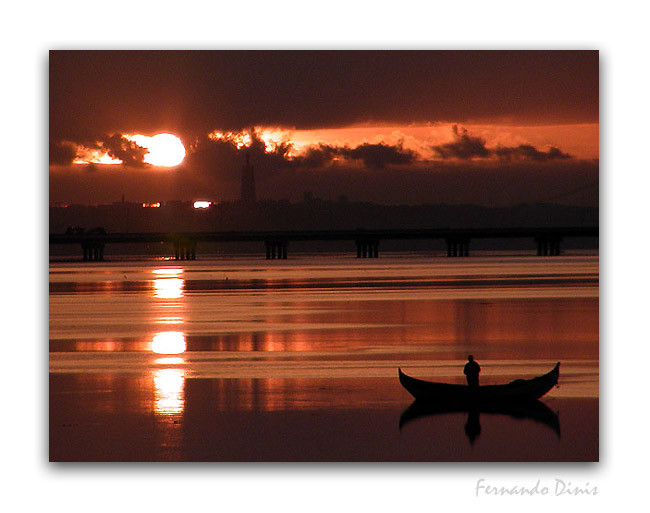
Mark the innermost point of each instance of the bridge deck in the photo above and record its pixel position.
(328, 235)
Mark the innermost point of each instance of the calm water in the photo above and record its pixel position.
(243, 359)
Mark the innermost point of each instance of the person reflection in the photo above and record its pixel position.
(471, 371)
(473, 425)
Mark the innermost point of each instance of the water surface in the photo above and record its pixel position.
(243, 359)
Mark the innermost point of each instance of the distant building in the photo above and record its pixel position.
(248, 196)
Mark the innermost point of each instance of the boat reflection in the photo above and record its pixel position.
(536, 411)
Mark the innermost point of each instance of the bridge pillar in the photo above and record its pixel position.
(548, 245)
(179, 250)
(276, 249)
(93, 251)
(457, 247)
(367, 248)
(555, 247)
(184, 249)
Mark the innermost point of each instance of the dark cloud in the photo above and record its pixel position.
(526, 151)
(317, 156)
(116, 146)
(209, 157)
(216, 158)
(121, 148)
(373, 156)
(464, 146)
(467, 147)
(190, 92)
(378, 156)
(223, 157)
(62, 153)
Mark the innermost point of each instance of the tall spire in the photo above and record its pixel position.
(248, 196)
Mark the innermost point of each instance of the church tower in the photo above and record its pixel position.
(248, 183)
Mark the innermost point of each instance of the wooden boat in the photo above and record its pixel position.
(518, 390)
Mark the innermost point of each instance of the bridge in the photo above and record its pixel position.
(547, 240)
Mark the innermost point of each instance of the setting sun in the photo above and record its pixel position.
(165, 150)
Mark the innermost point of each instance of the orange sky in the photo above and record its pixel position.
(579, 140)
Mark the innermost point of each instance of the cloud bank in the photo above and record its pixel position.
(467, 147)
(226, 150)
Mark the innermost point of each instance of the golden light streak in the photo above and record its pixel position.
(170, 320)
(168, 271)
(241, 139)
(273, 137)
(94, 156)
(170, 360)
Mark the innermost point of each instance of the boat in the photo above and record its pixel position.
(445, 393)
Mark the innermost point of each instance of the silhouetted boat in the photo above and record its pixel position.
(536, 411)
(444, 393)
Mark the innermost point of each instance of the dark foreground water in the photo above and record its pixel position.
(254, 360)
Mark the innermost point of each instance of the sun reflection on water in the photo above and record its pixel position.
(169, 283)
(169, 394)
(168, 342)
(169, 383)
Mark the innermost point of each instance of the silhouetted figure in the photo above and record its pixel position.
(472, 370)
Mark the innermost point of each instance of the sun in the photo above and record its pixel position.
(165, 150)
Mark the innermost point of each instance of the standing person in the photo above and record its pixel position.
(472, 370)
